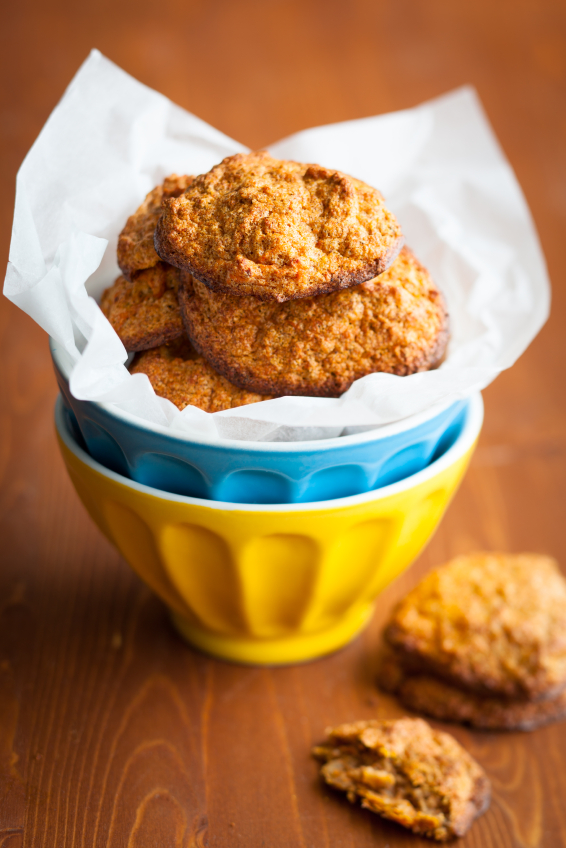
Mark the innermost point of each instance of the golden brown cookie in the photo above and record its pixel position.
(135, 243)
(489, 622)
(407, 772)
(178, 373)
(145, 313)
(395, 323)
(425, 693)
(278, 230)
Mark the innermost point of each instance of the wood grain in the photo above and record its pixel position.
(112, 732)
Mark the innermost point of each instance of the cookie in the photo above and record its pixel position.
(278, 230)
(425, 693)
(395, 323)
(492, 623)
(145, 313)
(178, 373)
(407, 772)
(135, 243)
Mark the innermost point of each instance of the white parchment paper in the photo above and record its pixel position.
(111, 139)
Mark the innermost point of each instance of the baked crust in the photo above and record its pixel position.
(425, 693)
(178, 373)
(145, 313)
(277, 230)
(135, 244)
(407, 772)
(395, 323)
(492, 623)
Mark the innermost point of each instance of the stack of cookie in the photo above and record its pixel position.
(142, 304)
(265, 278)
(482, 641)
(143, 307)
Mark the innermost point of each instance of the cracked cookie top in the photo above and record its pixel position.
(396, 323)
(278, 230)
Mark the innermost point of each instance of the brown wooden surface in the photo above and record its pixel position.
(112, 732)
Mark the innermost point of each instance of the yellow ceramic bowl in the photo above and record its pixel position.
(269, 584)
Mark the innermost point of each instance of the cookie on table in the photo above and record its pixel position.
(405, 771)
(145, 313)
(135, 243)
(396, 323)
(278, 230)
(425, 693)
(178, 373)
(493, 623)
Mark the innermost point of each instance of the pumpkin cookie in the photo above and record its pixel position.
(425, 693)
(178, 373)
(407, 772)
(145, 313)
(491, 623)
(135, 243)
(278, 230)
(395, 323)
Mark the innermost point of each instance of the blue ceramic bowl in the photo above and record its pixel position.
(257, 472)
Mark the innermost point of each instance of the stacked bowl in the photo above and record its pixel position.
(258, 472)
(265, 552)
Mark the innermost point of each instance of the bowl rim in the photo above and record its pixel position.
(62, 359)
(464, 442)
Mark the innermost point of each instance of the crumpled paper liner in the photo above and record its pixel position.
(111, 139)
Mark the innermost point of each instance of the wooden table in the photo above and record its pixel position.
(112, 732)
